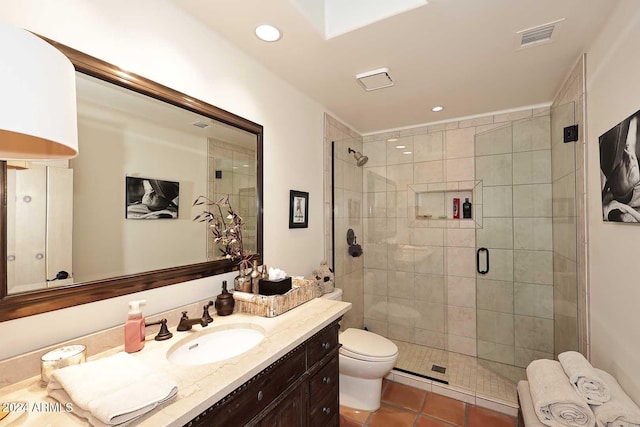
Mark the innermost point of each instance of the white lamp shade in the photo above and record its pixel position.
(38, 117)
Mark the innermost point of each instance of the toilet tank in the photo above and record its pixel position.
(335, 295)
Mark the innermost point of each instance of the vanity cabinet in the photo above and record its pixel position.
(299, 389)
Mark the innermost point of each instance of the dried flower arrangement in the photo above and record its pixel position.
(226, 229)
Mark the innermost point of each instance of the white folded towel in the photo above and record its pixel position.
(620, 410)
(526, 405)
(114, 390)
(555, 402)
(584, 378)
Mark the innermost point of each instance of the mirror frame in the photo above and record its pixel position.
(34, 302)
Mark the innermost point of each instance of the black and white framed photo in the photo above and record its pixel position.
(619, 171)
(298, 209)
(148, 198)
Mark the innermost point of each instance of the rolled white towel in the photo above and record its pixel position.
(114, 390)
(620, 410)
(555, 402)
(526, 405)
(584, 377)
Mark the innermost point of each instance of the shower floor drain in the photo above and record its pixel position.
(439, 369)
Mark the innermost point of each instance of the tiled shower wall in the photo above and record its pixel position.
(347, 194)
(419, 275)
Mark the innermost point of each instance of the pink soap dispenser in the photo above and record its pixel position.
(134, 328)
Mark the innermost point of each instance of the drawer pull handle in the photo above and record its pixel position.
(326, 380)
(260, 395)
(326, 410)
(326, 345)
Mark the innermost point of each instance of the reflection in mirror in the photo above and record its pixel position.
(232, 171)
(69, 216)
(64, 230)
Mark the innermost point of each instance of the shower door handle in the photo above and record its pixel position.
(480, 250)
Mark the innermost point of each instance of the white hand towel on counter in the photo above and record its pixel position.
(620, 410)
(584, 378)
(114, 390)
(526, 405)
(555, 401)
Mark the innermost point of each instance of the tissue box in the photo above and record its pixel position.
(274, 287)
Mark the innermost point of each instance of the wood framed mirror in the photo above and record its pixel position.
(144, 254)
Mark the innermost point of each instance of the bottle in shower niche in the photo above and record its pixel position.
(466, 208)
(456, 208)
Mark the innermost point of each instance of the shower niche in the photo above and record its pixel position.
(434, 203)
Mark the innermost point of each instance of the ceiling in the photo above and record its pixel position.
(461, 54)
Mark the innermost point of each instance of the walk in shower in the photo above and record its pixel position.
(469, 301)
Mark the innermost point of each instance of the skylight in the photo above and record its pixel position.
(336, 17)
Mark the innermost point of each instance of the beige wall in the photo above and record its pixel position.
(613, 93)
(177, 51)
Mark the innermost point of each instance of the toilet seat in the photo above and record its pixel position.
(367, 346)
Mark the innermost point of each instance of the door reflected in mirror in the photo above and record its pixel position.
(71, 216)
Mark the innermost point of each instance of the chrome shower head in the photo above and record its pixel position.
(360, 159)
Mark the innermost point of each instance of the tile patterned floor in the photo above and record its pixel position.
(493, 381)
(405, 406)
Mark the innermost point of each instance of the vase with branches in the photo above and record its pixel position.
(226, 227)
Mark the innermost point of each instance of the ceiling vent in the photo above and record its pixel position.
(201, 125)
(535, 36)
(375, 79)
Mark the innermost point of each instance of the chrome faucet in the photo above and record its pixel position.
(186, 323)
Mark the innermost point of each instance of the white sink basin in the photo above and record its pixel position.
(214, 346)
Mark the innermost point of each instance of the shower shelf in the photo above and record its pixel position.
(434, 202)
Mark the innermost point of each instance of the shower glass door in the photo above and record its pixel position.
(525, 280)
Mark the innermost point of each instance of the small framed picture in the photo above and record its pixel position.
(148, 198)
(298, 209)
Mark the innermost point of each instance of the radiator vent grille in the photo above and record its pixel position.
(540, 34)
(537, 35)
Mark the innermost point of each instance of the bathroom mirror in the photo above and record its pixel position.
(68, 233)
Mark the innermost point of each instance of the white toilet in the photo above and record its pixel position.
(364, 359)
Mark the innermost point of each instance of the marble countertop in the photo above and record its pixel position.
(199, 386)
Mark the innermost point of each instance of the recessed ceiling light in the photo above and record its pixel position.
(437, 108)
(392, 139)
(406, 152)
(268, 33)
(401, 146)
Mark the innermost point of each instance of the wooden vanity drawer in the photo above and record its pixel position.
(322, 343)
(323, 380)
(323, 410)
(244, 403)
